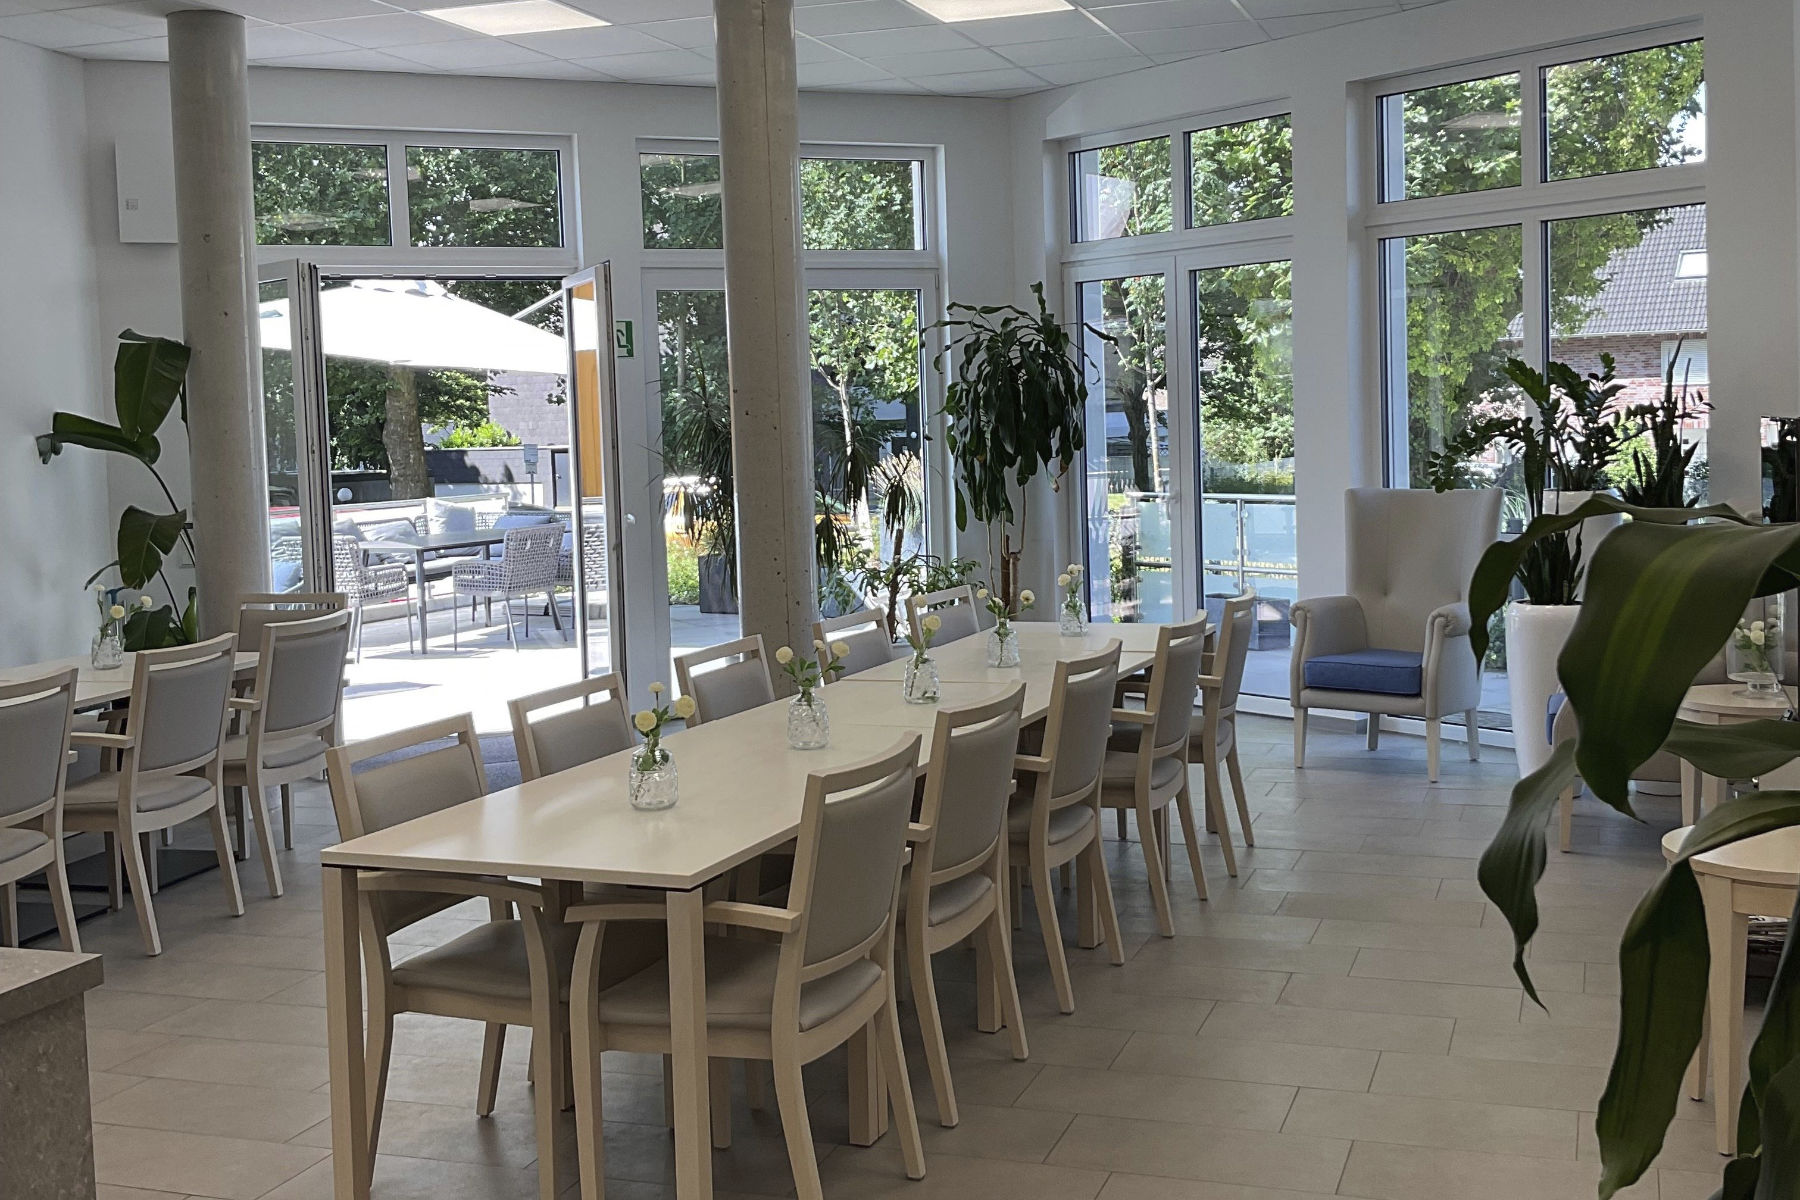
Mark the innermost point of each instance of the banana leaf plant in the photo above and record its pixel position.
(149, 382)
(1662, 596)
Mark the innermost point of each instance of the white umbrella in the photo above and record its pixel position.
(416, 323)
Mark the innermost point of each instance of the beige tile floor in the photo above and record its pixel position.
(1340, 1020)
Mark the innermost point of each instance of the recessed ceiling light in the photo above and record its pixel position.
(984, 10)
(514, 17)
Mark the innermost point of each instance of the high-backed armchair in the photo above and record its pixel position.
(1398, 644)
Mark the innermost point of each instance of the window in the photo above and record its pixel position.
(1625, 112)
(320, 194)
(1454, 138)
(1241, 172)
(1123, 190)
(846, 203)
(460, 196)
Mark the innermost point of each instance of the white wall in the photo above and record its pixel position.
(1750, 192)
(58, 517)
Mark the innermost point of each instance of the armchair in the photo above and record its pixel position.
(1398, 644)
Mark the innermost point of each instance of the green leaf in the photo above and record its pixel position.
(1741, 751)
(144, 538)
(190, 617)
(1513, 863)
(1767, 1119)
(1779, 1178)
(149, 374)
(73, 429)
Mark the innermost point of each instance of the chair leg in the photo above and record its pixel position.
(1148, 836)
(455, 635)
(131, 849)
(57, 876)
(287, 816)
(1121, 825)
(993, 936)
(718, 1083)
(255, 800)
(1565, 818)
(1045, 897)
(1433, 736)
(115, 877)
(234, 895)
(1299, 739)
(900, 1098)
(1472, 725)
(790, 1097)
(555, 617)
(1238, 790)
(9, 914)
(1184, 808)
(152, 863)
(493, 1047)
(1374, 731)
(1093, 862)
(357, 617)
(546, 1096)
(590, 1143)
(931, 1025)
(378, 1056)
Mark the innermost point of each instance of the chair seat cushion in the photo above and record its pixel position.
(1065, 823)
(1120, 771)
(740, 989)
(102, 791)
(951, 899)
(1385, 672)
(17, 843)
(280, 752)
(489, 961)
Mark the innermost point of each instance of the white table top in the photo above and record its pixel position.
(1728, 700)
(1772, 859)
(94, 687)
(1040, 647)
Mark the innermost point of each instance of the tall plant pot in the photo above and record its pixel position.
(1535, 634)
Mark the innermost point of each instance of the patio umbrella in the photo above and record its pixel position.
(416, 323)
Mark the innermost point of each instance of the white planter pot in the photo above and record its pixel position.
(1535, 634)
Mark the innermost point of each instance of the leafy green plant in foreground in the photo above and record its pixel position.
(1662, 596)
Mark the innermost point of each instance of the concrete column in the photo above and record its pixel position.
(765, 319)
(209, 86)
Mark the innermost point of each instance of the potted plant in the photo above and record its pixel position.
(1016, 405)
(1562, 447)
(696, 447)
(1662, 596)
(1659, 476)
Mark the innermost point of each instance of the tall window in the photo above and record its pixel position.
(1625, 112)
(480, 197)
(320, 194)
(1123, 190)
(1241, 172)
(845, 203)
(1456, 137)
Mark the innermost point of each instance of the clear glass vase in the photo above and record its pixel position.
(652, 784)
(107, 652)
(921, 686)
(1755, 653)
(1071, 623)
(808, 724)
(1003, 645)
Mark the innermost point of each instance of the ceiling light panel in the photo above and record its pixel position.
(511, 18)
(986, 10)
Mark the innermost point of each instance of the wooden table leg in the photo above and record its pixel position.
(350, 1164)
(1712, 792)
(1690, 792)
(1727, 938)
(688, 1060)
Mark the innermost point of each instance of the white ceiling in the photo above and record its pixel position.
(844, 45)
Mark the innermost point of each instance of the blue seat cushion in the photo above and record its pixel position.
(1386, 672)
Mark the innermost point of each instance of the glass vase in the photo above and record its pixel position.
(1071, 623)
(1003, 645)
(107, 652)
(808, 724)
(921, 686)
(651, 783)
(1756, 651)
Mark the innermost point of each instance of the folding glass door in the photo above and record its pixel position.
(293, 381)
(584, 479)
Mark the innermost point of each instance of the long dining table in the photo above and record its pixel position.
(741, 789)
(95, 687)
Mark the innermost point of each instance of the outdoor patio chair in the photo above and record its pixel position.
(526, 567)
(364, 583)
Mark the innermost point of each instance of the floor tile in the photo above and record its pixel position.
(196, 1165)
(1329, 1027)
(1249, 1061)
(1149, 1096)
(1277, 1160)
(1533, 1084)
(1402, 996)
(1438, 1123)
(1390, 1172)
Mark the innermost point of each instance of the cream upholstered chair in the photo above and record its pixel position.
(597, 726)
(956, 886)
(1212, 735)
(865, 632)
(1055, 813)
(35, 719)
(258, 609)
(290, 721)
(955, 607)
(827, 977)
(1145, 769)
(171, 767)
(719, 691)
(1398, 644)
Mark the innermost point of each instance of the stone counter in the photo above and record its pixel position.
(47, 1148)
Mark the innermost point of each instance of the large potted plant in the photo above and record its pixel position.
(1562, 449)
(1015, 405)
(149, 382)
(1661, 598)
(696, 446)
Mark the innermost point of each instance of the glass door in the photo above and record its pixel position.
(293, 369)
(582, 480)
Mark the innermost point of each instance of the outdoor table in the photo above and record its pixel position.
(418, 546)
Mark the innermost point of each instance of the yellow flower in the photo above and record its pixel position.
(932, 623)
(645, 720)
(684, 707)
(116, 611)
(656, 689)
(784, 656)
(840, 649)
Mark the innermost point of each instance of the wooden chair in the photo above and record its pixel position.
(866, 634)
(290, 720)
(598, 726)
(826, 979)
(1152, 773)
(171, 768)
(1055, 814)
(36, 716)
(259, 609)
(956, 886)
(720, 691)
(955, 607)
(1212, 732)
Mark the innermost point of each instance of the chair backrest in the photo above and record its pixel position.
(864, 632)
(259, 609)
(719, 691)
(35, 717)
(969, 782)
(1174, 682)
(300, 675)
(1411, 551)
(530, 556)
(348, 566)
(955, 607)
(178, 707)
(848, 855)
(1080, 722)
(593, 550)
(1237, 628)
(597, 726)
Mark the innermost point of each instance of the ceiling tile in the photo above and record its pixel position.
(858, 16)
(844, 70)
(1280, 27)
(140, 50)
(887, 43)
(1198, 39)
(1259, 9)
(553, 68)
(283, 12)
(59, 30)
(1086, 69)
(591, 43)
(393, 29)
(345, 60)
(632, 12)
(944, 62)
(808, 50)
(1030, 54)
(690, 31)
(285, 41)
(1011, 81)
(1167, 14)
(1037, 27)
(472, 55)
(665, 63)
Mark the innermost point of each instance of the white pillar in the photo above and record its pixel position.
(209, 87)
(765, 319)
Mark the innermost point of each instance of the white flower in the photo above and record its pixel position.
(840, 649)
(982, 594)
(784, 656)
(645, 721)
(656, 689)
(1075, 568)
(1757, 637)
(1026, 598)
(144, 601)
(684, 707)
(1756, 626)
(1063, 580)
(117, 611)
(818, 645)
(933, 623)
(99, 589)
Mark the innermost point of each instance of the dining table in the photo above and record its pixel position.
(419, 546)
(741, 790)
(96, 687)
